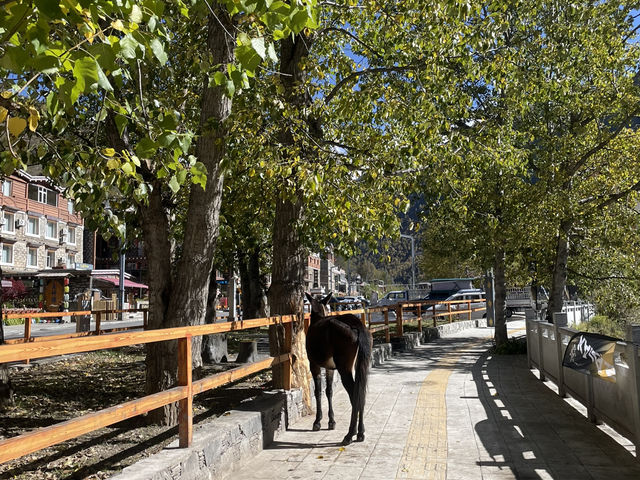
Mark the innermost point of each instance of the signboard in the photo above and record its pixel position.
(591, 354)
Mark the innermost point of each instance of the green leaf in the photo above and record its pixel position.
(103, 81)
(121, 123)
(158, 50)
(146, 148)
(299, 21)
(136, 14)
(258, 47)
(85, 71)
(128, 46)
(173, 184)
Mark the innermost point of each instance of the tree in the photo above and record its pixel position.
(547, 136)
(114, 73)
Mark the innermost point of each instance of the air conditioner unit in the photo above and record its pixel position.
(20, 222)
(63, 235)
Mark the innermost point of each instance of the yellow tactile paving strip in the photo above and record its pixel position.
(425, 453)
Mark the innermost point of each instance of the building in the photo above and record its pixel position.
(312, 274)
(39, 231)
(39, 228)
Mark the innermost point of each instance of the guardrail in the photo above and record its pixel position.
(617, 403)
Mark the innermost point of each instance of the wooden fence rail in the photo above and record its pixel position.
(183, 394)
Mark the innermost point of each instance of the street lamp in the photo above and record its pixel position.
(413, 259)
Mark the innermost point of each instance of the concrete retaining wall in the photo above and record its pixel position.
(411, 340)
(221, 445)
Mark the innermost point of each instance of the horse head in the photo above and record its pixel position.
(319, 307)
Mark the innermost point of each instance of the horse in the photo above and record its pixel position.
(339, 343)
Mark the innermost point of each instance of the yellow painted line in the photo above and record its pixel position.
(425, 453)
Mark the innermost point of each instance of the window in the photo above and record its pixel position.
(32, 257)
(51, 258)
(71, 260)
(43, 195)
(7, 188)
(71, 236)
(9, 225)
(52, 229)
(70, 208)
(33, 226)
(7, 255)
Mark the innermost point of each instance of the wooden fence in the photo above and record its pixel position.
(183, 393)
(48, 346)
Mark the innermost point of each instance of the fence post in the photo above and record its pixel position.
(27, 329)
(634, 366)
(98, 322)
(399, 329)
(363, 318)
(387, 335)
(185, 406)
(449, 312)
(540, 357)
(288, 342)
(435, 323)
(559, 321)
(469, 312)
(420, 318)
(529, 316)
(27, 334)
(145, 319)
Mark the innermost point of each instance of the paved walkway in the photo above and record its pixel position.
(449, 410)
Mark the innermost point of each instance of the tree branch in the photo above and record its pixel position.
(602, 144)
(367, 71)
(352, 36)
(610, 277)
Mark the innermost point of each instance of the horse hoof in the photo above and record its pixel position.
(346, 440)
(360, 437)
(316, 427)
(332, 425)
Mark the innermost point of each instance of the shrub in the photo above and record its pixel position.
(604, 326)
(513, 346)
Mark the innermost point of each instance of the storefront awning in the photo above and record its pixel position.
(52, 274)
(116, 281)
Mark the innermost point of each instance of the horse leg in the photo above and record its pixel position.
(360, 437)
(329, 377)
(316, 372)
(349, 385)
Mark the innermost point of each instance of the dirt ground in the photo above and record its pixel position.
(54, 391)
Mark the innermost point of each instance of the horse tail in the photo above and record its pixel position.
(363, 360)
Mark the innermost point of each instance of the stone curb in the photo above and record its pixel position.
(409, 341)
(221, 445)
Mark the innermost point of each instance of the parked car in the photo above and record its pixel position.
(476, 296)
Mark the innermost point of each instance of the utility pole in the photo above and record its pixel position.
(413, 259)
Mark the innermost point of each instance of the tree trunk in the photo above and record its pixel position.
(500, 334)
(191, 286)
(6, 389)
(289, 256)
(559, 274)
(161, 360)
(286, 293)
(187, 304)
(253, 289)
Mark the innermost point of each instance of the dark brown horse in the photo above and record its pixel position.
(339, 343)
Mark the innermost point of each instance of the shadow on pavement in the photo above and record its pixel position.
(532, 433)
